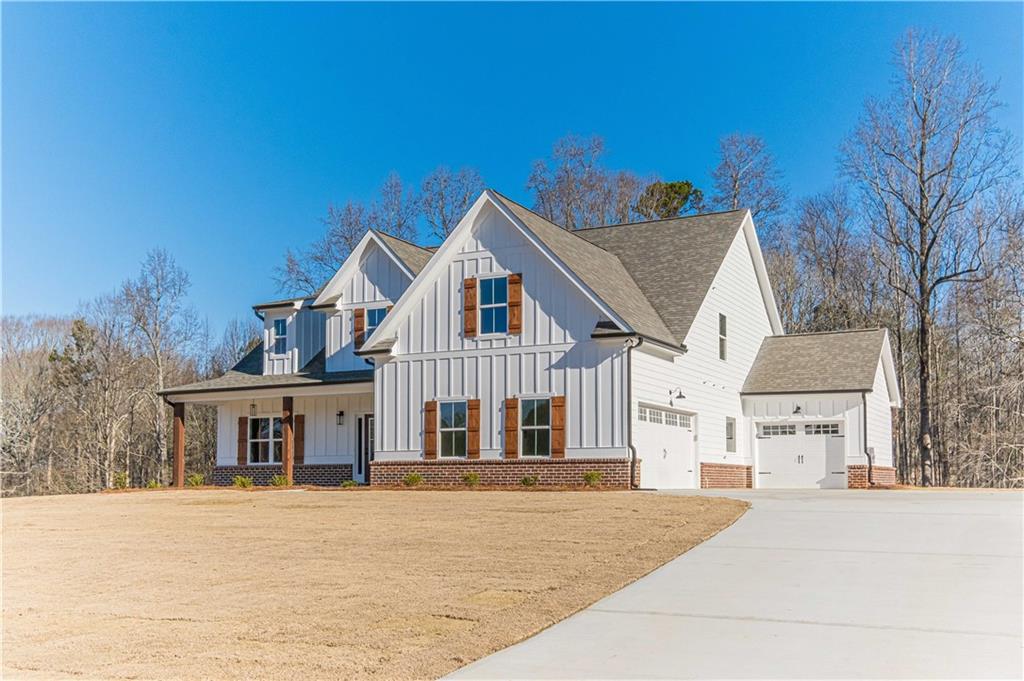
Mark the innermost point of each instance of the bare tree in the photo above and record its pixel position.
(445, 196)
(396, 209)
(746, 177)
(927, 157)
(571, 189)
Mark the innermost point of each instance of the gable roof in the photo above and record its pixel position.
(601, 270)
(836, 361)
(247, 374)
(673, 261)
(415, 257)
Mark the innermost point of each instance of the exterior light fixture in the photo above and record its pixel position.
(797, 410)
(341, 418)
(676, 394)
(252, 409)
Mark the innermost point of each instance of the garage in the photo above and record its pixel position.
(801, 455)
(665, 445)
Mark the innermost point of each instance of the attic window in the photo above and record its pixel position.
(721, 336)
(494, 305)
(280, 336)
(374, 316)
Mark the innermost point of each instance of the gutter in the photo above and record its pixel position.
(630, 344)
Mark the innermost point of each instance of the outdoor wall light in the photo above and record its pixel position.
(341, 418)
(797, 410)
(252, 409)
(676, 394)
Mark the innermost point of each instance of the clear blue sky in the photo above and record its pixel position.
(222, 131)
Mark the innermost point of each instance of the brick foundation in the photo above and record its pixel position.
(324, 475)
(567, 472)
(729, 475)
(857, 476)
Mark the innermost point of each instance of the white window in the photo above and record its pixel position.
(778, 429)
(280, 336)
(656, 416)
(671, 419)
(641, 413)
(265, 439)
(374, 316)
(494, 305)
(821, 429)
(536, 426)
(721, 336)
(453, 428)
(730, 434)
(685, 421)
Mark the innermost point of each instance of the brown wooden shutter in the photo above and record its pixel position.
(558, 427)
(359, 326)
(389, 309)
(430, 430)
(515, 303)
(512, 428)
(473, 429)
(469, 307)
(243, 440)
(300, 439)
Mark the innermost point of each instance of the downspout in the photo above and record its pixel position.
(630, 344)
(867, 454)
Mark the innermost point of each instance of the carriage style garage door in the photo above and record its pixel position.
(665, 446)
(801, 455)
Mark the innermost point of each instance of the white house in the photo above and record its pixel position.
(649, 352)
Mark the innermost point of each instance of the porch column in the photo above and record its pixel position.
(287, 439)
(179, 444)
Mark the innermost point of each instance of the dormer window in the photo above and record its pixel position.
(280, 336)
(494, 305)
(374, 316)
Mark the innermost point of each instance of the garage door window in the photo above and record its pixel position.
(778, 429)
(641, 413)
(668, 418)
(821, 429)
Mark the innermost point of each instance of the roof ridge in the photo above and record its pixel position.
(829, 333)
(677, 217)
(381, 232)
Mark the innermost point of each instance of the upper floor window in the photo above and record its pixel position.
(374, 316)
(536, 426)
(494, 305)
(265, 440)
(721, 336)
(452, 426)
(280, 336)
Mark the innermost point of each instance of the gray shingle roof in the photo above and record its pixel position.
(673, 261)
(248, 375)
(415, 257)
(838, 361)
(600, 270)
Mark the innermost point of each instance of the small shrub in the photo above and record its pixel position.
(121, 480)
(349, 483)
(471, 479)
(242, 481)
(529, 481)
(195, 480)
(280, 481)
(153, 484)
(592, 478)
(412, 479)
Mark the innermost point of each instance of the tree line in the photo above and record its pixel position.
(921, 233)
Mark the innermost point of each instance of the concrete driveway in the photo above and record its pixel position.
(811, 584)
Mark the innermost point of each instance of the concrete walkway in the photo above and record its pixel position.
(811, 584)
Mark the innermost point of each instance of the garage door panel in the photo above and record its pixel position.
(665, 445)
(794, 455)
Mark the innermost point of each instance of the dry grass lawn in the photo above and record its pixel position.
(306, 584)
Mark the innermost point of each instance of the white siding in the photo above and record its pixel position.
(378, 282)
(305, 339)
(554, 355)
(325, 441)
(710, 385)
(880, 419)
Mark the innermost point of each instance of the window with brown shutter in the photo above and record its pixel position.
(473, 429)
(469, 307)
(558, 427)
(511, 428)
(515, 303)
(430, 430)
(243, 440)
(300, 439)
(359, 326)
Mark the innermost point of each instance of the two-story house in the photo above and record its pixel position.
(649, 352)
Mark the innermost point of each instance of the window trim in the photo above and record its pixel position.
(249, 440)
(277, 337)
(730, 442)
(367, 328)
(723, 337)
(441, 430)
(523, 427)
(480, 306)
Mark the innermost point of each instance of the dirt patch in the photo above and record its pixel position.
(379, 584)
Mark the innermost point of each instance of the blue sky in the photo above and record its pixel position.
(221, 131)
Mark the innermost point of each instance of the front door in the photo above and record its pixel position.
(362, 472)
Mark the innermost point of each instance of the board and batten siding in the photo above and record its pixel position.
(554, 354)
(378, 282)
(305, 339)
(817, 407)
(880, 419)
(325, 441)
(711, 386)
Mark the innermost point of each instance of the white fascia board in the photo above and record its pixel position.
(889, 367)
(218, 396)
(761, 271)
(348, 267)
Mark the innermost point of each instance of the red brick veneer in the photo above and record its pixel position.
(326, 475)
(567, 472)
(725, 475)
(882, 476)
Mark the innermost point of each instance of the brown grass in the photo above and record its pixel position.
(384, 584)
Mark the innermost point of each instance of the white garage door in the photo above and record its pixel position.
(665, 446)
(801, 455)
